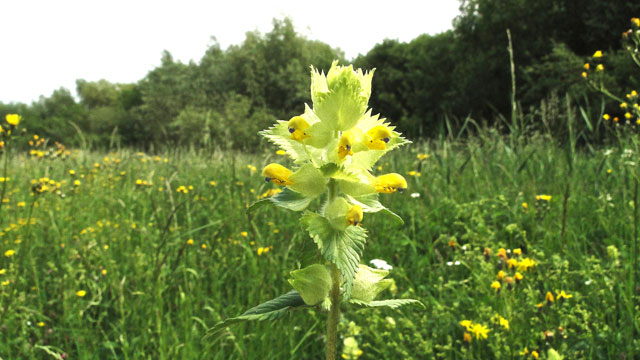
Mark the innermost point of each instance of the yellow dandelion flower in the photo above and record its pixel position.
(81, 293)
(525, 206)
(586, 66)
(518, 276)
(635, 21)
(9, 253)
(600, 67)
(584, 74)
(190, 242)
(597, 54)
(496, 285)
(502, 252)
(628, 115)
(535, 354)
(104, 272)
(204, 246)
(40, 324)
(624, 105)
(13, 119)
(606, 117)
(3, 271)
(244, 234)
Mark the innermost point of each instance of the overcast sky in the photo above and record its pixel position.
(48, 44)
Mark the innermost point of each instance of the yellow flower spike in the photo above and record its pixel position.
(380, 136)
(13, 119)
(390, 183)
(597, 54)
(344, 145)
(297, 126)
(277, 174)
(354, 215)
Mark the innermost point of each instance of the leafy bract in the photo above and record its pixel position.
(308, 180)
(371, 204)
(287, 199)
(271, 310)
(392, 303)
(342, 248)
(368, 283)
(313, 283)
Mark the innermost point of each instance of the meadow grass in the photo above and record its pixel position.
(123, 265)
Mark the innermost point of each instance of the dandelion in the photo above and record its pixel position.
(212, 183)
(635, 21)
(3, 271)
(597, 54)
(104, 272)
(586, 66)
(525, 206)
(81, 293)
(13, 119)
(40, 324)
(9, 253)
(624, 105)
(628, 115)
(244, 234)
(606, 117)
(600, 67)
(584, 74)
(190, 242)
(479, 331)
(204, 246)
(501, 274)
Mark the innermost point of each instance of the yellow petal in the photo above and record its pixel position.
(277, 174)
(390, 183)
(344, 145)
(379, 137)
(354, 215)
(297, 126)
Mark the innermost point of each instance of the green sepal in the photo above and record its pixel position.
(313, 283)
(271, 310)
(287, 199)
(342, 248)
(371, 204)
(308, 180)
(391, 303)
(368, 283)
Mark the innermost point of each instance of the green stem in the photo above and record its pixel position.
(334, 314)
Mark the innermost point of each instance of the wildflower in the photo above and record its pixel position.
(379, 137)
(423, 156)
(182, 189)
(480, 331)
(9, 253)
(606, 117)
(244, 234)
(600, 67)
(5, 283)
(546, 198)
(380, 264)
(502, 252)
(563, 295)
(281, 152)
(534, 354)
(524, 352)
(354, 215)
(415, 195)
(586, 66)
(190, 242)
(212, 183)
(628, 115)
(466, 337)
(77, 183)
(624, 105)
(496, 286)
(467, 324)
(525, 206)
(584, 74)
(414, 173)
(502, 321)
(203, 246)
(277, 174)
(252, 169)
(635, 21)
(486, 253)
(549, 297)
(297, 126)
(270, 193)
(81, 293)
(615, 119)
(344, 145)
(597, 54)
(501, 274)
(518, 276)
(517, 251)
(525, 264)
(390, 183)
(13, 119)
(3, 271)
(40, 324)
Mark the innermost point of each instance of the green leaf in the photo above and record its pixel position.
(368, 283)
(271, 310)
(287, 199)
(279, 135)
(313, 283)
(552, 354)
(308, 180)
(392, 303)
(329, 169)
(342, 248)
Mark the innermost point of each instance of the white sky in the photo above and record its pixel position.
(48, 44)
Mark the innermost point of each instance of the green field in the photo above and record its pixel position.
(122, 264)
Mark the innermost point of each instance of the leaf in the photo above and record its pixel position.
(313, 283)
(342, 248)
(279, 135)
(392, 303)
(271, 310)
(369, 282)
(287, 199)
(329, 169)
(308, 180)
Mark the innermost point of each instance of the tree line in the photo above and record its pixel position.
(225, 98)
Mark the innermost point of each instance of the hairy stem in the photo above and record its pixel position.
(334, 314)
